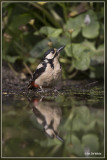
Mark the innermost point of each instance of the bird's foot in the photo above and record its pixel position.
(42, 90)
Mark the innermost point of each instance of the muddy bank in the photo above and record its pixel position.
(17, 84)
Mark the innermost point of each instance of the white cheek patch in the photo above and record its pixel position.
(50, 56)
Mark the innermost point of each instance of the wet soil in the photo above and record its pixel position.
(12, 84)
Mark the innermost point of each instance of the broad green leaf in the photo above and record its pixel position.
(56, 33)
(76, 145)
(82, 119)
(68, 50)
(90, 45)
(83, 113)
(75, 24)
(91, 30)
(42, 46)
(62, 41)
(75, 140)
(81, 57)
(50, 32)
(92, 15)
(98, 55)
(39, 49)
(91, 142)
(82, 63)
(30, 59)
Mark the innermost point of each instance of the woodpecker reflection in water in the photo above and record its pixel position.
(48, 115)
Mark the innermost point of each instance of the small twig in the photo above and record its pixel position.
(27, 68)
(91, 83)
(74, 74)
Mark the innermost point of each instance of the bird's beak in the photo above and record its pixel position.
(60, 49)
(59, 138)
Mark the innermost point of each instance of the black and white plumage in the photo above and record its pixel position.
(48, 115)
(48, 72)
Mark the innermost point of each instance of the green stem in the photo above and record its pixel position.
(64, 10)
(47, 14)
(40, 18)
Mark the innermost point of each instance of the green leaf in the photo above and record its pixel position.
(30, 59)
(50, 32)
(42, 46)
(56, 33)
(76, 145)
(75, 24)
(39, 49)
(62, 41)
(83, 113)
(82, 119)
(98, 55)
(91, 30)
(19, 20)
(12, 59)
(92, 15)
(81, 57)
(91, 142)
(75, 140)
(90, 45)
(68, 50)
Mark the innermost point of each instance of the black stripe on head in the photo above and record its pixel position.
(47, 52)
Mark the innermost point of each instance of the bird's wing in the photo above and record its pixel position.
(39, 115)
(40, 69)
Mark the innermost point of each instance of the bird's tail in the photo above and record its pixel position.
(32, 85)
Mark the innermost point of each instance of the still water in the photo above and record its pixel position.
(60, 125)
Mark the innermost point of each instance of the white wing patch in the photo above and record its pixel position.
(40, 66)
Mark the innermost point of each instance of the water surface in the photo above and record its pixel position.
(64, 124)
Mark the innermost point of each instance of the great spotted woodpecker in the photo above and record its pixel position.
(48, 72)
(48, 116)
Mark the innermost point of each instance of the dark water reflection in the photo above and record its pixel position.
(48, 115)
(61, 126)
